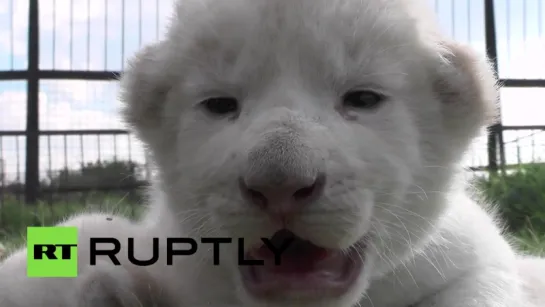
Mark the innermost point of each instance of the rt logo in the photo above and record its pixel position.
(52, 252)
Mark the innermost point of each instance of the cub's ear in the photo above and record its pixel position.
(466, 85)
(144, 86)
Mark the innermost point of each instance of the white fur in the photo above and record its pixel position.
(392, 172)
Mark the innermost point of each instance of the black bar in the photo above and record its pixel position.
(70, 189)
(529, 127)
(32, 179)
(62, 75)
(68, 132)
(12, 133)
(103, 188)
(84, 132)
(13, 75)
(492, 54)
(79, 74)
(522, 82)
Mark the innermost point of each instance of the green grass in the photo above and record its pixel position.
(519, 196)
(530, 242)
(15, 217)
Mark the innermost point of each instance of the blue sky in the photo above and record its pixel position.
(99, 36)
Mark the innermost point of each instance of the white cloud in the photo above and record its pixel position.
(18, 22)
(524, 59)
(13, 106)
(54, 115)
(60, 115)
(84, 93)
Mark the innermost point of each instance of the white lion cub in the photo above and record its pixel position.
(338, 125)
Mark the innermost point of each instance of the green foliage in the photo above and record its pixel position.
(79, 185)
(519, 196)
(93, 174)
(530, 241)
(15, 216)
(52, 208)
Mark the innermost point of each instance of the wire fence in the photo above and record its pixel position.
(61, 140)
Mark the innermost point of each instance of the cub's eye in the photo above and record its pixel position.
(362, 99)
(221, 105)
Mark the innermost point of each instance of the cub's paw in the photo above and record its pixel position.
(107, 285)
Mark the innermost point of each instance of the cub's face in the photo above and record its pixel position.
(327, 125)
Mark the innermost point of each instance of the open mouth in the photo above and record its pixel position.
(304, 269)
